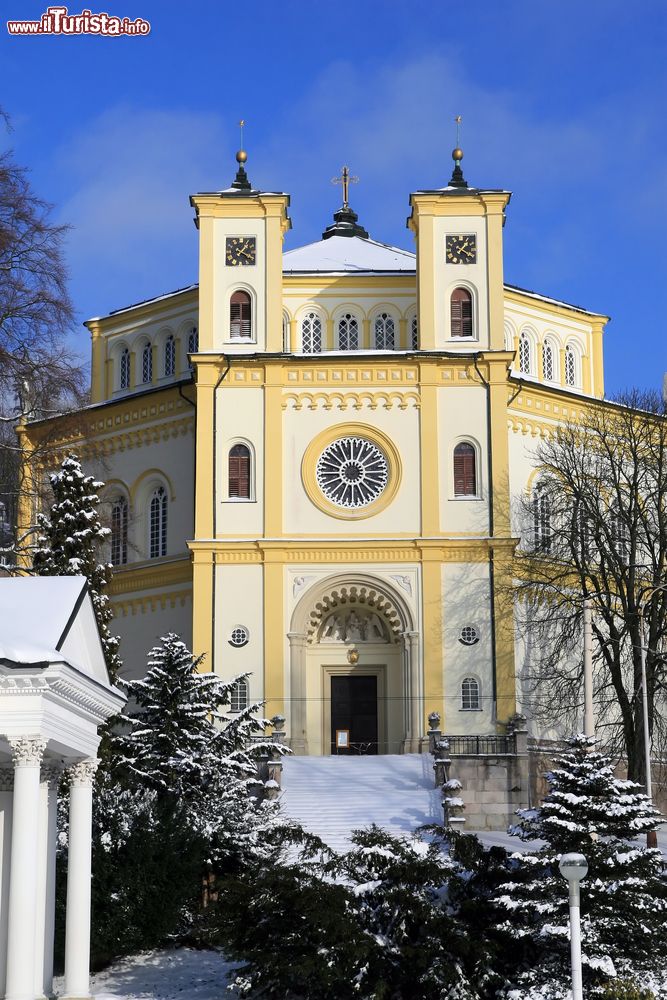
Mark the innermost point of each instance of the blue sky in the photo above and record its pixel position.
(563, 104)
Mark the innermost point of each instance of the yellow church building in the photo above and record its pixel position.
(310, 458)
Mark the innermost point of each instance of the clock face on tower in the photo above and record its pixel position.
(240, 250)
(461, 248)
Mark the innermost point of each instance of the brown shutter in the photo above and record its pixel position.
(240, 315)
(461, 313)
(239, 472)
(465, 479)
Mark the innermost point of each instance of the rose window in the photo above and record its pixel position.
(352, 472)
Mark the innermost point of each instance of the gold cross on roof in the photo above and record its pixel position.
(345, 179)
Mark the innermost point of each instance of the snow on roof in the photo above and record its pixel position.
(348, 254)
(36, 613)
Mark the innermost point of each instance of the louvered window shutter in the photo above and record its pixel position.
(465, 479)
(461, 313)
(239, 472)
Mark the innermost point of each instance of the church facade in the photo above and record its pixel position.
(310, 459)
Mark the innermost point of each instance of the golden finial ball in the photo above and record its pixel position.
(457, 154)
(241, 156)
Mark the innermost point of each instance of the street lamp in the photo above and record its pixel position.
(574, 867)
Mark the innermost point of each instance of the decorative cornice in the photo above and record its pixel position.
(299, 550)
(82, 773)
(27, 751)
(350, 400)
(151, 602)
(62, 682)
(150, 576)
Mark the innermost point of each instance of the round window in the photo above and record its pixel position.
(469, 635)
(352, 472)
(240, 636)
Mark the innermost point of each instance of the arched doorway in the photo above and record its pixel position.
(355, 676)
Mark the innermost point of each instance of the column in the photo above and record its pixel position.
(298, 725)
(6, 809)
(77, 919)
(46, 879)
(22, 909)
(411, 640)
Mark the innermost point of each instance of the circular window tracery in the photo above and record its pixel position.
(469, 635)
(352, 472)
(239, 636)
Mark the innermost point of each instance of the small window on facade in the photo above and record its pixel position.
(147, 364)
(542, 536)
(169, 355)
(470, 694)
(570, 366)
(465, 472)
(384, 332)
(124, 380)
(525, 355)
(158, 523)
(239, 472)
(414, 334)
(311, 334)
(239, 636)
(468, 636)
(239, 695)
(547, 361)
(348, 333)
(119, 531)
(461, 313)
(240, 316)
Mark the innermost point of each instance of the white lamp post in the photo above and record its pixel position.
(574, 867)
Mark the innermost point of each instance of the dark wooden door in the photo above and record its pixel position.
(354, 707)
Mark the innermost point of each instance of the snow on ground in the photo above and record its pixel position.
(175, 974)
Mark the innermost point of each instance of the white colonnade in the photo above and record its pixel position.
(28, 842)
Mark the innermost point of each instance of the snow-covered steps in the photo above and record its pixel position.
(332, 796)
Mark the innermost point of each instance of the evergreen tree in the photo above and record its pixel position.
(178, 800)
(69, 541)
(623, 898)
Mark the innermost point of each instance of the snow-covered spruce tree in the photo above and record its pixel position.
(623, 898)
(69, 541)
(184, 747)
(175, 802)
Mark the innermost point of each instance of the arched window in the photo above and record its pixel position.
(238, 472)
(169, 355)
(119, 531)
(414, 334)
(465, 472)
(460, 307)
(570, 366)
(525, 355)
(470, 700)
(348, 333)
(311, 334)
(240, 316)
(193, 342)
(239, 695)
(548, 369)
(124, 380)
(147, 364)
(158, 523)
(384, 332)
(542, 535)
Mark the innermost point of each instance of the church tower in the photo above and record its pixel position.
(241, 232)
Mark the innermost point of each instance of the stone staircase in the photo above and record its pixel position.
(332, 796)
